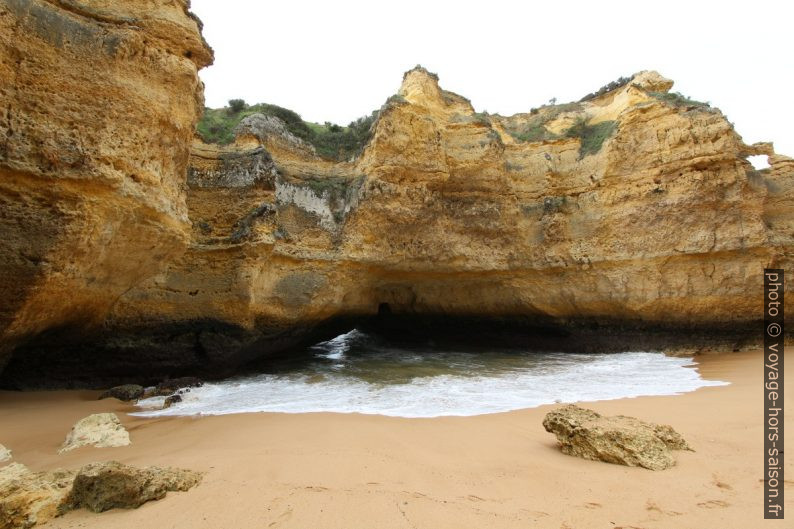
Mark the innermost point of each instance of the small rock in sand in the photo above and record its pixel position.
(100, 430)
(5, 454)
(124, 393)
(102, 486)
(619, 439)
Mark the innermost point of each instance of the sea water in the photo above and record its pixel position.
(360, 373)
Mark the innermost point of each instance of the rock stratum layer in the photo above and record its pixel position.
(635, 211)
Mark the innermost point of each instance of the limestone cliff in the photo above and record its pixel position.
(635, 209)
(98, 104)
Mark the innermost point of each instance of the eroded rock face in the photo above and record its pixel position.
(635, 210)
(663, 224)
(103, 486)
(29, 498)
(5, 454)
(99, 102)
(621, 440)
(100, 430)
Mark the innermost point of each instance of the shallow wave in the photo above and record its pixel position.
(506, 385)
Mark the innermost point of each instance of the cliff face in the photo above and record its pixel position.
(98, 103)
(635, 209)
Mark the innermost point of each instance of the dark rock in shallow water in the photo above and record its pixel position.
(621, 440)
(175, 384)
(103, 486)
(173, 399)
(168, 387)
(125, 393)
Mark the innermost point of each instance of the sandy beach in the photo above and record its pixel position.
(357, 471)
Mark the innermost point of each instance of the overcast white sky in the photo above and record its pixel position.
(338, 60)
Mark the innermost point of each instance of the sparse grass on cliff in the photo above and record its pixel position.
(592, 137)
(614, 85)
(329, 140)
(535, 132)
(534, 128)
(679, 100)
(337, 186)
(329, 184)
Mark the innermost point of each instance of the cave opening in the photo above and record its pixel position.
(212, 350)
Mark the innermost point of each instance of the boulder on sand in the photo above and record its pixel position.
(28, 498)
(621, 440)
(100, 430)
(102, 486)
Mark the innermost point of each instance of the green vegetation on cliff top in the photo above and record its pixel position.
(592, 137)
(329, 140)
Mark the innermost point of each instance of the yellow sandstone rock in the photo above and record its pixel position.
(449, 212)
(98, 102)
(635, 209)
(100, 430)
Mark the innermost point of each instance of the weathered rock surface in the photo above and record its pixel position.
(170, 401)
(99, 103)
(631, 219)
(112, 485)
(449, 214)
(101, 430)
(5, 454)
(621, 440)
(125, 393)
(29, 498)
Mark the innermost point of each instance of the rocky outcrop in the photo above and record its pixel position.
(103, 486)
(621, 440)
(98, 104)
(30, 498)
(632, 219)
(5, 454)
(124, 393)
(100, 430)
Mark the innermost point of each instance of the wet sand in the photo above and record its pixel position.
(324, 470)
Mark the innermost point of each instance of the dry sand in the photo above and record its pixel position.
(356, 471)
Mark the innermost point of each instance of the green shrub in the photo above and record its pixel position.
(592, 137)
(396, 99)
(237, 105)
(329, 140)
(342, 143)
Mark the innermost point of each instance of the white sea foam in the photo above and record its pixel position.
(546, 379)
